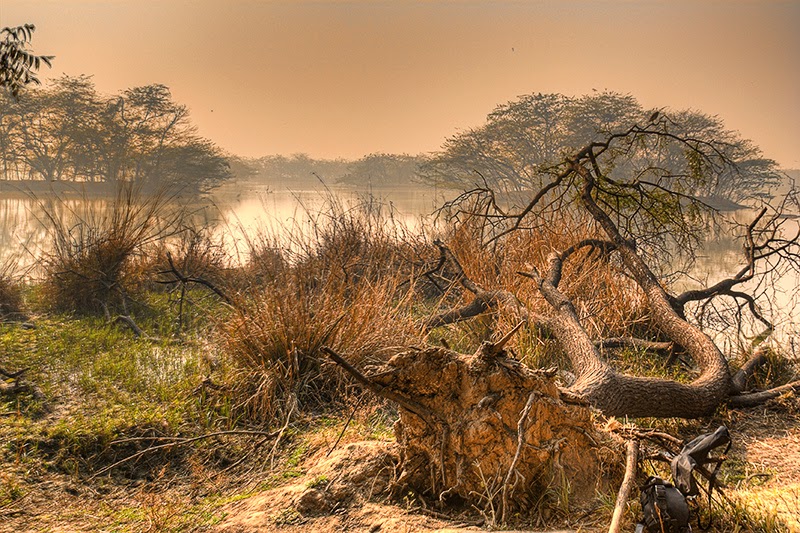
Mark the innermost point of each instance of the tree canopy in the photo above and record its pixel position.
(523, 141)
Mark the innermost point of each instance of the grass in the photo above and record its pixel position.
(99, 250)
(350, 280)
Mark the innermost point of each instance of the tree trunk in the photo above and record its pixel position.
(622, 395)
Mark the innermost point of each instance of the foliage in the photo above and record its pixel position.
(18, 66)
(66, 131)
(523, 141)
(382, 170)
(297, 170)
(301, 170)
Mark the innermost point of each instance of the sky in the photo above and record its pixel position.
(347, 78)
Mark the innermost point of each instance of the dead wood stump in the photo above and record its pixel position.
(472, 451)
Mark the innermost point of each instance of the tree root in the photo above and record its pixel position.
(631, 462)
(484, 430)
(512, 470)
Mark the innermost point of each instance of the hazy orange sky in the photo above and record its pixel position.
(343, 79)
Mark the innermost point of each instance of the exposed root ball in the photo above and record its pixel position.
(467, 451)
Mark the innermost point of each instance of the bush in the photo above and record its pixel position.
(340, 282)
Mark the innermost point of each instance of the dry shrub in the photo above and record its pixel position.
(195, 252)
(99, 248)
(609, 303)
(340, 281)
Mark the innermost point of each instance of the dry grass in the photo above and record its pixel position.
(99, 249)
(10, 291)
(341, 281)
(608, 302)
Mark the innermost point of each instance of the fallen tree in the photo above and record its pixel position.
(634, 208)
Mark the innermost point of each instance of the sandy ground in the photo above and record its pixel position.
(764, 470)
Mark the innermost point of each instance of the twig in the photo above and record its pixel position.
(281, 431)
(13, 375)
(631, 460)
(128, 321)
(658, 437)
(189, 279)
(349, 419)
(176, 441)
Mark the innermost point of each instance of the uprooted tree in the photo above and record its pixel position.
(488, 430)
(634, 209)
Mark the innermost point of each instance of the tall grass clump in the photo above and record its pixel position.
(609, 303)
(340, 280)
(10, 291)
(99, 248)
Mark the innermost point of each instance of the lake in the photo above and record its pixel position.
(238, 210)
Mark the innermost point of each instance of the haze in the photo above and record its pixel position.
(343, 79)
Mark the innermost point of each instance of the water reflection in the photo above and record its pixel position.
(234, 212)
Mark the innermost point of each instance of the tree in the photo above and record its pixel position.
(66, 131)
(628, 208)
(18, 65)
(522, 141)
(56, 125)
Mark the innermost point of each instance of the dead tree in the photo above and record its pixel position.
(633, 210)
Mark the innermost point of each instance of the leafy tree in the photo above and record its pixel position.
(67, 131)
(55, 125)
(18, 65)
(524, 139)
(297, 170)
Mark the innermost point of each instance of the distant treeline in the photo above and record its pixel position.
(67, 131)
(376, 170)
